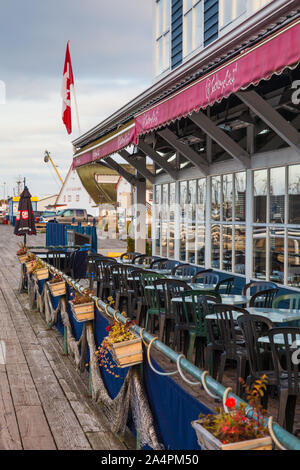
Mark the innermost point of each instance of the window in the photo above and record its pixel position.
(192, 25)
(276, 225)
(228, 231)
(163, 20)
(230, 10)
(257, 4)
(78, 198)
(69, 198)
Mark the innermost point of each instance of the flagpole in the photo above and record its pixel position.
(75, 102)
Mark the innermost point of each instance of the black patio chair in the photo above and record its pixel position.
(263, 299)
(166, 290)
(104, 278)
(225, 341)
(287, 371)
(260, 358)
(205, 277)
(159, 263)
(184, 269)
(257, 286)
(225, 285)
(129, 256)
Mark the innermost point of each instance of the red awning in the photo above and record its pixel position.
(112, 145)
(260, 62)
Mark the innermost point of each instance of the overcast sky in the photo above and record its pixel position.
(111, 52)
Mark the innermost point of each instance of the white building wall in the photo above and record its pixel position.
(74, 196)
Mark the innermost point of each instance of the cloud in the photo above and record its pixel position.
(111, 55)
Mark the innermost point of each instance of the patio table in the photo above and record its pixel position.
(278, 339)
(229, 299)
(277, 315)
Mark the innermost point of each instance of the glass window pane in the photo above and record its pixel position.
(198, 25)
(167, 15)
(165, 220)
(294, 194)
(240, 196)
(187, 5)
(240, 8)
(188, 32)
(259, 252)
(215, 246)
(277, 255)
(201, 199)
(227, 197)
(191, 221)
(294, 257)
(277, 195)
(157, 196)
(172, 221)
(226, 12)
(183, 202)
(201, 245)
(227, 247)
(240, 249)
(167, 51)
(215, 197)
(260, 195)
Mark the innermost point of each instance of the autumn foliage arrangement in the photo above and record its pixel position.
(84, 298)
(117, 332)
(56, 278)
(234, 425)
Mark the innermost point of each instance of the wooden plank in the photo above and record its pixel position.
(34, 429)
(104, 441)
(9, 432)
(21, 385)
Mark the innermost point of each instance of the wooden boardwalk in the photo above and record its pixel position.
(44, 401)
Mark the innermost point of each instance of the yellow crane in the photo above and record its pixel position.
(48, 158)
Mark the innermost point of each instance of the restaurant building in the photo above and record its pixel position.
(220, 125)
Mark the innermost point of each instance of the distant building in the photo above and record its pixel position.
(46, 202)
(74, 195)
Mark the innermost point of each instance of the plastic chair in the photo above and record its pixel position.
(152, 301)
(225, 341)
(129, 256)
(167, 289)
(287, 371)
(195, 311)
(263, 299)
(159, 263)
(225, 285)
(206, 277)
(260, 359)
(184, 269)
(104, 279)
(257, 286)
(293, 301)
(181, 325)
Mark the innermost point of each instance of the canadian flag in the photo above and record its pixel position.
(68, 80)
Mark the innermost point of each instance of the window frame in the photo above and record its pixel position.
(185, 12)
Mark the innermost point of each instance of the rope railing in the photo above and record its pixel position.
(282, 438)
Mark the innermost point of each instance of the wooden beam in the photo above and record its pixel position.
(276, 140)
(196, 159)
(161, 161)
(119, 169)
(134, 161)
(271, 117)
(219, 136)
